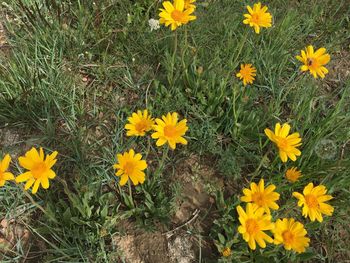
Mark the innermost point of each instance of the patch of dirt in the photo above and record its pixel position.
(339, 70)
(155, 247)
(143, 248)
(194, 213)
(12, 235)
(197, 180)
(11, 141)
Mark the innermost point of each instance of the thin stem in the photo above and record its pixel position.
(130, 193)
(243, 40)
(158, 171)
(184, 49)
(173, 59)
(162, 161)
(37, 205)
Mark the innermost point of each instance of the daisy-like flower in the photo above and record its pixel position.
(226, 252)
(247, 74)
(169, 130)
(139, 123)
(258, 17)
(4, 175)
(175, 15)
(253, 224)
(130, 166)
(261, 196)
(287, 144)
(291, 234)
(314, 61)
(313, 201)
(293, 174)
(39, 169)
(189, 4)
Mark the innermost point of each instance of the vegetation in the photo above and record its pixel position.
(71, 74)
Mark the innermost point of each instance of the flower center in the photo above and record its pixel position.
(178, 16)
(312, 62)
(288, 237)
(255, 18)
(141, 126)
(38, 170)
(258, 198)
(311, 201)
(252, 226)
(282, 143)
(129, 168)
(246, 73)
(170, 131)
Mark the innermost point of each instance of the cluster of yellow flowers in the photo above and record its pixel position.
(179, 13)
(38, 166)
(256, 218)
(313, 61)
(168, 129)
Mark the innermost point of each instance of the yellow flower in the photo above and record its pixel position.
(258, 17)
(293, 174)
(247, 74)
(139, 123)
(260, 196)
(253, 224)
(169, 130)
(287, 144)
(188, 4)
(175, 14)
(130, 166)
(313, 199)
(4, 175)
(39, 169)
(226, 252)
(291, 234)
(314, 61)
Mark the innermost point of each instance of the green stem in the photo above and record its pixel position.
(37, 205)
(165, 155)
(184, 49)
(243, 40)
(173, 59)
(130, 194)
(161, 163)
(255, 173)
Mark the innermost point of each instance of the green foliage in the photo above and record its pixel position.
(76, 69)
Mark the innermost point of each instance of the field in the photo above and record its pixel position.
(73, 72)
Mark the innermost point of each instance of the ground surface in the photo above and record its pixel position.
(71, 72)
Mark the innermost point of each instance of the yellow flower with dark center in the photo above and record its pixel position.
(313, 201)
(169, 130)
(39, 169)
(291, 234)
(139, 123)
(226, 252)
(130, 166)
(253, 224)
(175, 15)
(258, 17)
(189, 4)
(247, 74)
(314, 61)
(4, 175)
(293, 174)
(261, 196)
(287, 144)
